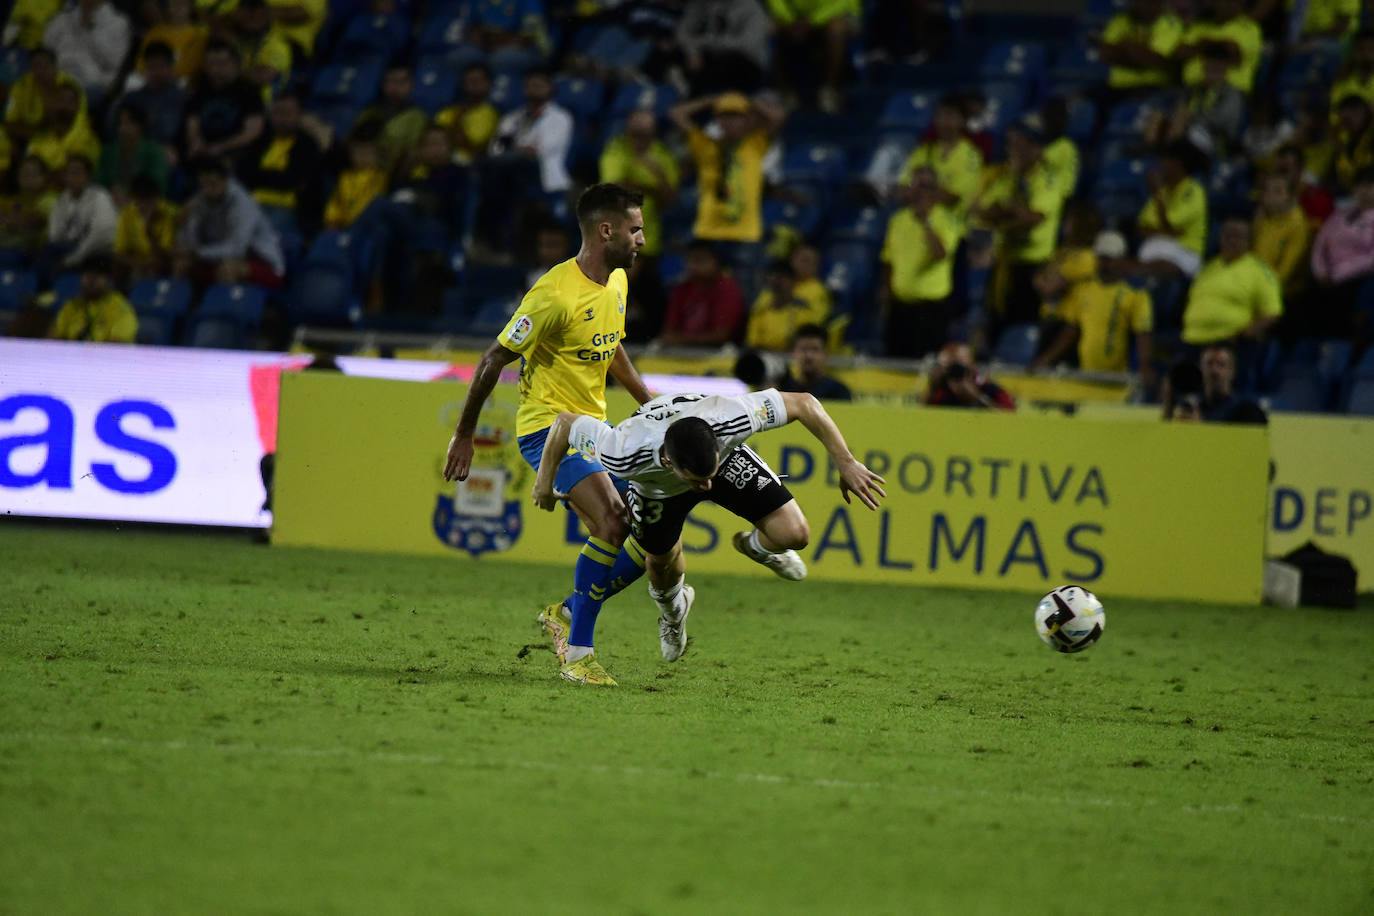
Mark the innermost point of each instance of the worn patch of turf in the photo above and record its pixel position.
(193, 723)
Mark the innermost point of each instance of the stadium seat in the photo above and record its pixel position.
(346, 85)
(322, 294)
(436, 87)
(1078, 66)
(672, 268)
(1006, 101)
(814, 162)
(582, 97)
(483, 282)
(1082, 120)
(1364, 368)
(803, 215)
(862, 224)
(219, 333)
(908, 111)
(1361, 400)
(507, 92)
(163, 296)
(632, 96)
(1017, 344)
(16, 286)
(13, 259)
(491, 316)
(1302, 390)
(240, 302)
(1127, 120)
(848, 274)
(1014, 60)
(1099, 12)
(342, 248)
(372, 36)
(155, 329)
(446, 35)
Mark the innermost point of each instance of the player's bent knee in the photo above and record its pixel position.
(795, 535)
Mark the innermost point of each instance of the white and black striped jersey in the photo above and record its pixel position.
(631, 449)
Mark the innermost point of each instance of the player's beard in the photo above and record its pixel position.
(622, 256)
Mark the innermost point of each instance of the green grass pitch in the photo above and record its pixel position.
(196, 724)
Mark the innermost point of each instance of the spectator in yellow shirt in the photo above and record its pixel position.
(97, 313)
(363, 181)
(1022, 202)
(1073, 263)
(66, 131)
(957, 162)
(1137, 44)
(1061, 153)
(1231, 26)
(806, 274)
(1359, 78)
(1173, 222)
(1329, 20)
(145, 235)
(778, 312)
(299, 21)
(471, 123)
(1282, 234)
(1354, 147)
(397, 120)
(1102, 315)
(34, 92)
(266, 52)
(812, 31)
(729, 169)
(918, 270)
(180, 32)
(24, 214)
(1234, 295)
(28, 19)
(637, 159)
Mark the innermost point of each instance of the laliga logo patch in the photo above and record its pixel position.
(588, 445)
(765, 414)
(520, 330)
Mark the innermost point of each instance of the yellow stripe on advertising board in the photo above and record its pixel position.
(974, 499)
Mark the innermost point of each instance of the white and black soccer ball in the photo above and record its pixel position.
(1070, 618)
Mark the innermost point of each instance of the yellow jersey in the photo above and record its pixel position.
(1244, 32)
(620, 164)
(1352, 85)
(1076, 266)
(916, 275)
(1160, 36)
(731, 187)
(957, 169)
(1282, 242)
(1185, 204)
(1226, 298)
(1061, 158)
(772, 327)
(1106, 316)
(109, 319)
(469, 127)
(566, 331)
(1040, 190)
(1322, 15)
(135, 236)
(53, 149)
(356, 189)
(813, 292)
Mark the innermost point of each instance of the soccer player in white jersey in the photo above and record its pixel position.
(678, 450)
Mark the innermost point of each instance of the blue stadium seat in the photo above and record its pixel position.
(1078, 65)
(336, 84)
(1229, 186)
(632, 96)
(65, 286)
(1305, 69)
(14, 63)
(1364, 368)
(241, 302)
(1006, 102)
(1014, 60)
(908, 111)
(848, 273)
(802, 215)
(1361, 400)
(1124, 174)
(322, 294)
(13, 259)
(1301, 389)
(507, 91)
(1017, 344)
(1100, 12)
(516, 60)
(16, 286)
(162, 295)
(219, 333)
(155, 329)
(491, 316)
(341, 247)
(1082, 119)
(372, 36)
(436, 87)
(340, 116)
(583, 97)
(1127, 120)
(814, 162)
(444, 35)
(862, 224)
(672, 268)
(483, 283)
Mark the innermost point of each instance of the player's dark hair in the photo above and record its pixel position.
(605, 201)
(811, 332)
(228, 47)
(691, 446)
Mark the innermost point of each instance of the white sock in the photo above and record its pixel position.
(577, 653)
(666, 598)
(758, 549)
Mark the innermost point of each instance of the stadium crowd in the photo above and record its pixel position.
(1110, 192)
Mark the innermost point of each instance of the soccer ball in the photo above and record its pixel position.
(1070, 618)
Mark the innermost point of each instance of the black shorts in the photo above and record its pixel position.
(745, 485)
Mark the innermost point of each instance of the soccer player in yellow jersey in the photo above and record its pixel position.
(567, 333)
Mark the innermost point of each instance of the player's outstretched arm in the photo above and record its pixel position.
(628, 376)
(484, 378)
(855, 477)
(555, 447)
